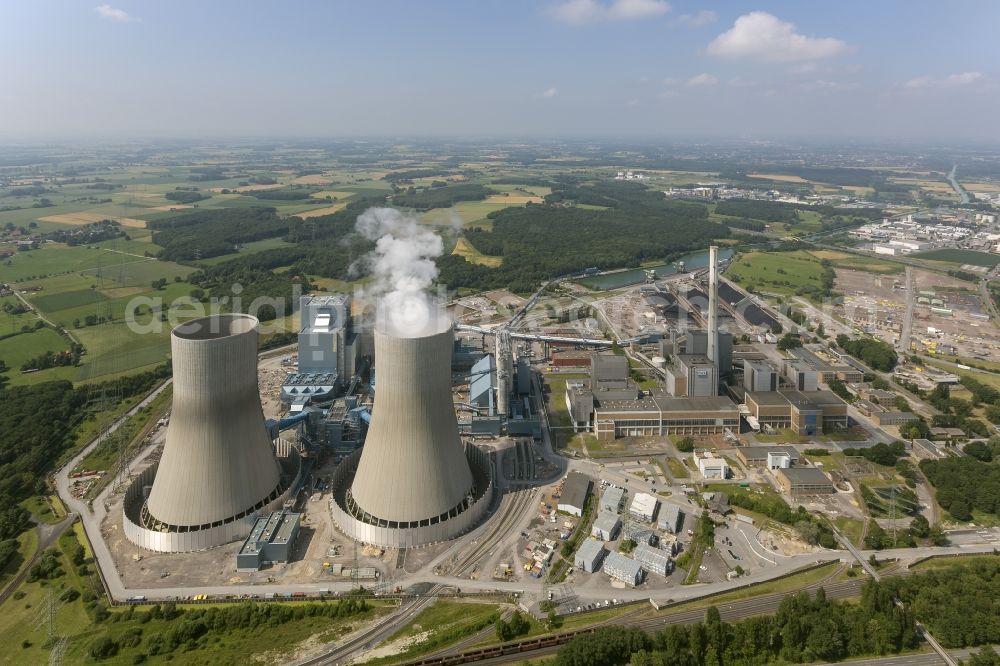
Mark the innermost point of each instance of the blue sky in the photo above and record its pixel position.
(600, 68)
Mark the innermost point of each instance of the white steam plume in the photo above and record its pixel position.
(403, 268)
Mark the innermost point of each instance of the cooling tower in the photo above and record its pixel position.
(415, 482)
(218, 470)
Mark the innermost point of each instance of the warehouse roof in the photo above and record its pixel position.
(760, 452)
(805, 475)
(575, 490)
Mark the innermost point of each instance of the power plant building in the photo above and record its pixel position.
(327, 351)
(415, 482)
(271, 540)
(658, 415)
(692, 375)
(805, 413)
(759, 376)
(219, 470)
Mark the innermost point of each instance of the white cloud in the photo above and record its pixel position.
(627, 10)
(550, 93)
(963, 79)
(950, 81)
(113, 14)
(670, 82)
(701, 80)
(698, 19)
(765, 37)
(632, 103)
(739, 82)
(578, 12)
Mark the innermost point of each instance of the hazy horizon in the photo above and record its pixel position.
(569, 69)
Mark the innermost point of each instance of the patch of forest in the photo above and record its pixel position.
(440, 197)
(210, 233)
(538, 242)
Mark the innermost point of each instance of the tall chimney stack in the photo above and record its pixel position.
(713, 304)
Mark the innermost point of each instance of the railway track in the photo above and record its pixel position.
(381, 631)
(505, 520)
(732, 611)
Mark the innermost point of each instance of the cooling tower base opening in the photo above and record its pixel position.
(144, 531)
(370, 530)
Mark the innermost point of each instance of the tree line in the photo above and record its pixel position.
(958, 605)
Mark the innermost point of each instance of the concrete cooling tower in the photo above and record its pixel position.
(414, 482)
(219, 470)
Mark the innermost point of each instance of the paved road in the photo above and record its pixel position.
(47, 535)
(38, 313)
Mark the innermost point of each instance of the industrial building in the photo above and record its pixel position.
(841, 369)
(711, 466)
(653, 560)
(757, 456)
(606, 526)
(483, 385)
(638, 532)
(658, 415)
(612, 499)
(219, 470)
(759, 376)
(575, 491)
(328, 351)
(609, 371)
(806, 413)
(643, 507)
(671, 518)
(804, 481)
(589, 555)
(415, 482)
(271, 540)
(801, 375)
(623, 568)
(692, 375)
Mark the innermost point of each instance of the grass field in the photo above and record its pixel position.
(858, 262)
(248, 248)
(955, 256)
(67, 299)
(20, 348)
(464, 248)
(467, 213)
(27, 543)
(318, 212)
(775, 272)
(23, 626)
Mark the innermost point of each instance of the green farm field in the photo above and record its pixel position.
(20, 348)
(955, 256)
(777, 272)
